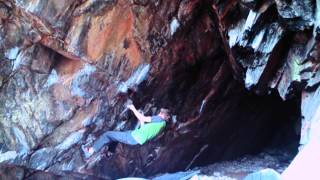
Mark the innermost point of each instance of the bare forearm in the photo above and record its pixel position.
(139, 115)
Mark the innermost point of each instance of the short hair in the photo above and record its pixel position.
(165, 111)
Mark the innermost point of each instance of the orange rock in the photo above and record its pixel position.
(108, 33)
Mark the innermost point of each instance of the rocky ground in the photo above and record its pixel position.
(237, 169)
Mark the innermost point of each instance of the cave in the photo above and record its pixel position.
(258, 122)
(240, 78)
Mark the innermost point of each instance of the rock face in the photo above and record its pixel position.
(68, 67)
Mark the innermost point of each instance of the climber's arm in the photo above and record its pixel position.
(142, 118)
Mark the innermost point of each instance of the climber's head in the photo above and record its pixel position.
(164, 113)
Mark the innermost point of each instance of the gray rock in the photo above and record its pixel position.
(42, 158)
(71, 140)
(266, 174)
(8, 156)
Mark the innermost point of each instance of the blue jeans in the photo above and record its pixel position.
(114, 136)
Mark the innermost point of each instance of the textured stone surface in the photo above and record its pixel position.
(19, 173)
(68, 67)
(310, 108)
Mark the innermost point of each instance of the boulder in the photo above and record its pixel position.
(69, 67)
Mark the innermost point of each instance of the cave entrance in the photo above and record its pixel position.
(253, 125)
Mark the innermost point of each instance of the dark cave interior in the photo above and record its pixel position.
(258, 122)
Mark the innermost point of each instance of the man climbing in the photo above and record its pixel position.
(150, 126)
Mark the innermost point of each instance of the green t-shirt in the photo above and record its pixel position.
(149, 130)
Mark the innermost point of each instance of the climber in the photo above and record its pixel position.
(150, 126)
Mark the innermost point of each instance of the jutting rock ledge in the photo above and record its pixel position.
(235, 73)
